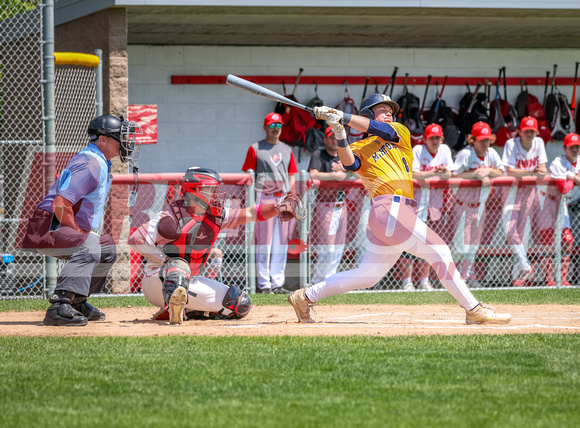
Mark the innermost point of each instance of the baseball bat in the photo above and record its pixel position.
(238, 82)
(426, 91)
(392, 80)
(297, 81)
(365, 90)
(546, 87)
(474, 97)
(573, 103)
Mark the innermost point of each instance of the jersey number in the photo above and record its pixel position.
(406, 164)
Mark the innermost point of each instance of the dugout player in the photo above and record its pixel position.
(523, 155)
(432, 159)
(478, 161)
(384, 161)
(275, 167)
(67, 223)
(178, 241)
(328, 226)
(565, 169)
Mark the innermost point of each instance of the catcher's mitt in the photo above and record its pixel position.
(291, 207)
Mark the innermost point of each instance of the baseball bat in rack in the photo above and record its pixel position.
(573, 103)
(252, 88)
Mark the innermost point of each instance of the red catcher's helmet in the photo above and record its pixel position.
(200, 187)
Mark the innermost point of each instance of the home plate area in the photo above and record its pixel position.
(331, 320)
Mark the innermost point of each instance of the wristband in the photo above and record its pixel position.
(259, 215)
(342, 143)
(346, 119)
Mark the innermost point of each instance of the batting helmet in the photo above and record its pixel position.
(120, 130)
(366, 107)
(200, 187)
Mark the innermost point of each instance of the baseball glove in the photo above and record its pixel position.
(290, 207)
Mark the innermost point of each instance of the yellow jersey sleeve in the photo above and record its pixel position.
(386, 166)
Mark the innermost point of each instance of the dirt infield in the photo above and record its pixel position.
(332, 320)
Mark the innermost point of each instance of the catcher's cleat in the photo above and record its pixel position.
(177, 305)
(486, 314)
(301, 305)
(162, 314)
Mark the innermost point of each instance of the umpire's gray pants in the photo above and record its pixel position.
(88, 264)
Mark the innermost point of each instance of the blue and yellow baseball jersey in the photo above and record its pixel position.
(386, 166)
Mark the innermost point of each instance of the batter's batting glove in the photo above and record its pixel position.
(335, 122)
(323, 112)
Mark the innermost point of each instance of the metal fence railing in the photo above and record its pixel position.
(333, 235)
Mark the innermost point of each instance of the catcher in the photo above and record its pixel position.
(178, 241)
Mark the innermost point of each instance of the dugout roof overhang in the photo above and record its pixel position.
(372, 23)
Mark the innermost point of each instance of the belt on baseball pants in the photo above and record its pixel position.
(277, 194)
(332, 204)
(468, 205)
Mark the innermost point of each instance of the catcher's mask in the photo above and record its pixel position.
(123, 131)
(366, 107)
(201, 187)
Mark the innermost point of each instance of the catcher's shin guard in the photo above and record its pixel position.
(174, 273)
(236, 303)
(60, 312)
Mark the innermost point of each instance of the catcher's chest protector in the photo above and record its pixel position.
(196, 240)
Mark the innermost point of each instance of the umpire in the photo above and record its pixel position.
(67, 223)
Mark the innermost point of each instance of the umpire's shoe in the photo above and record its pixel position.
(177, 305)
(486, 314)
(60, 312)
(89, 311)
(301, 305)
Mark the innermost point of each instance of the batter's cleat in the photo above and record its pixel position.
(426, 286)
(408, 286)
(486, 314)
(177, 305)
(162, 314)
(61, 313)
(301, 305)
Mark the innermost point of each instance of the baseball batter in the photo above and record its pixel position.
(384, 161)
(477, 161)
(565, 169)
(523, 155)
(177, 243)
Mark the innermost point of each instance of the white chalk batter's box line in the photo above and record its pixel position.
(419, 327)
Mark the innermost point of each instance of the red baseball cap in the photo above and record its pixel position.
(572, 140)
(529, 122)
(329, 131)
(272, 118)
(481, 131)
(433, 130)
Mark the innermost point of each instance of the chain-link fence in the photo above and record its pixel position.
(21, 136)
(22, 139)
(500, 236)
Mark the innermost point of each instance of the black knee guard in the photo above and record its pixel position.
(174, 273)
(236, 303)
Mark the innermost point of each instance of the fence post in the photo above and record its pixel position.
(250, 249)
(99, 84)
(558, 243)
(303, 232)
(48, 117)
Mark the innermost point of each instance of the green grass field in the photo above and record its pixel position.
(427, 381)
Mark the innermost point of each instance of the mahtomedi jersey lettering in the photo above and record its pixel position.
(386, 166)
